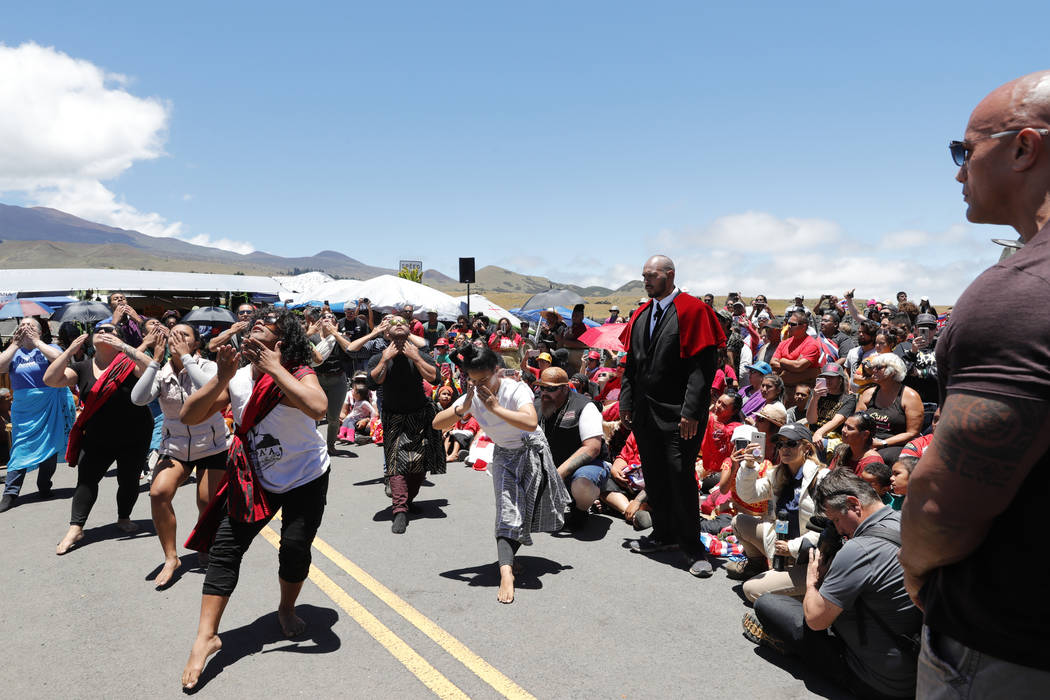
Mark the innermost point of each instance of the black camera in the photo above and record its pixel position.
(828, 544)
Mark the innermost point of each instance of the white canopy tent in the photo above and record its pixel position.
(38, 281)
(386, 293)
(304, 284)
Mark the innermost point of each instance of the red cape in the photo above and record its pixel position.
(698, 325)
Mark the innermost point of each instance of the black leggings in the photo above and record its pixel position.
(506, 549)
(302, 508)
(92, 466)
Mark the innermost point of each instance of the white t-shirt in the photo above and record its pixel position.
(590, 422)
(285, 447)
(512, 394)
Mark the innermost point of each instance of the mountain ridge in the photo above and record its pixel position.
(32, 237)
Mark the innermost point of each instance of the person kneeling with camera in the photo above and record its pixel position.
(854, 587)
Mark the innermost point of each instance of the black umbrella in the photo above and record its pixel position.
(83, 311)
(553, 297)
(209, 315)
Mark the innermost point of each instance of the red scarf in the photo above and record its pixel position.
(698, 325)
(240, 491)
(96, 397)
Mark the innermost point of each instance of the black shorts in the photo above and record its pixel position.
(215, 461)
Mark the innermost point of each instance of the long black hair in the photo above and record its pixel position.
(296, 349)
(471, 357)
(45, 330)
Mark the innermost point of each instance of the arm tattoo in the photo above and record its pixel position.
(580, 459)
(985, 438)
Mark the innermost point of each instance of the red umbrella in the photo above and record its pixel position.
(23, 308)
(606, 337)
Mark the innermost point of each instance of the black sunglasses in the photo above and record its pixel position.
(106, 329)
(788, 443)
(793, 324)
(550, 389)
(245, 312)
(961, 151)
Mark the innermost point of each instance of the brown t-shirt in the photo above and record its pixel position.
(987, 349)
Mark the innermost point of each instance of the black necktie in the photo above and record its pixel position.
(657, 313)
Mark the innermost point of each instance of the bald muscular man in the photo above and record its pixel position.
(671, 343)
(972, 524)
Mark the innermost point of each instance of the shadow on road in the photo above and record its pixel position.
(419, 509)
(797, 668)
(252, 638)
(594, 529)
(532, 568)
(112, 532)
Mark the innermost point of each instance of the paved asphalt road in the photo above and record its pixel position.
(409, 616)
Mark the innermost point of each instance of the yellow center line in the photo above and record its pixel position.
(427, 674)
(484, 670)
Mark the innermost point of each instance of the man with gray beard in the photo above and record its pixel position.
(573, 426)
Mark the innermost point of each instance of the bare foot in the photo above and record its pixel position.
(167, 571)
(506, 585)
(203, 647)
(291, 624)
(74, 535)
(126, 525)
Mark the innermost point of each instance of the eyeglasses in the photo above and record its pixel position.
(793, 324)
(245, 312)
(549, 389)
(106, 329)
(791, 444)
(961, 150)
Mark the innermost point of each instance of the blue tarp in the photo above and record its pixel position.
(533, 315)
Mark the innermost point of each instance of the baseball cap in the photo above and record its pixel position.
(832, 369)
(743, 432)
(614, 308)
(553, 376)
(594, 355)
(760, 367)
(795, 431)
(545, 356)
(926, 320)
(774, 413)
(441, 342)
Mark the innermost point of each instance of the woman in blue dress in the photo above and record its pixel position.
(41, 416)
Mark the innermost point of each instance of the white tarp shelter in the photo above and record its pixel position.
(304, 284)
(386, 293)
(37, 281)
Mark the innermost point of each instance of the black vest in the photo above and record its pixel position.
(564, 438)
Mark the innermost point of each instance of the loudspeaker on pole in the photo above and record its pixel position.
(466, 271)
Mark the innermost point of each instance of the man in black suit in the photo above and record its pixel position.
(671, 344)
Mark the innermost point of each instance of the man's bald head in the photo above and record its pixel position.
(1006, 177)
(658, 276)
(661, 262)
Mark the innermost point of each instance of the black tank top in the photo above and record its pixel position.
(889, 421)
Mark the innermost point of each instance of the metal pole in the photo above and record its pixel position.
(468, 302)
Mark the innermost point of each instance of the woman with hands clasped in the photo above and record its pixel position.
(41, 416)
(789, 488)
(277, 460)
(530, 496)
(110, 428)
(183, 448)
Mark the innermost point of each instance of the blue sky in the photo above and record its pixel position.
(773, 148)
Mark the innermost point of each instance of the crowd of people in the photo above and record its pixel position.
(786, 444)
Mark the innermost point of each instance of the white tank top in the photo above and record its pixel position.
(285, 446)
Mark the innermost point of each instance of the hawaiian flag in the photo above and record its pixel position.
(829, 351)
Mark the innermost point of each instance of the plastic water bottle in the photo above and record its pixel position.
(781, 528)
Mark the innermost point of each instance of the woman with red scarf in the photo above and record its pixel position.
(277, 460)
(110, 428)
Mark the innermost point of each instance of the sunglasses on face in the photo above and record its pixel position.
(106, 329)
(962, 150)
(549, 389)
(791, 444)
(793, 324)
(245, 312)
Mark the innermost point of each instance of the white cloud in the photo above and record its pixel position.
(759, 253)
(66, 126)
